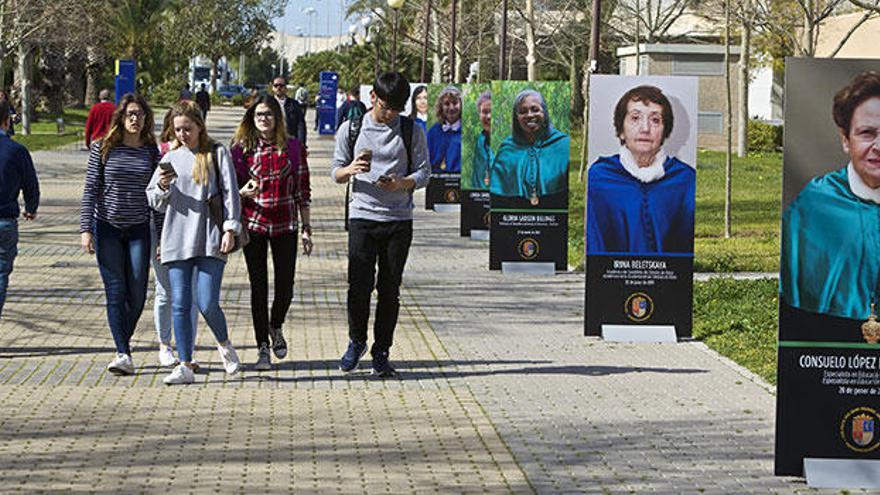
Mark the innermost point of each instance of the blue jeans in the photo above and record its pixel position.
(162, 299)
(209, 276)
(8, 251)
(124, 260)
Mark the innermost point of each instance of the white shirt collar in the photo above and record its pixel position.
(452, 127)
(644, 174)
(858, 186)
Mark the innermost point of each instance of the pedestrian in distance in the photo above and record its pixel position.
(274, 185)
(386, 160)
(162, 317)
(17, 177)
(352, 108)
(100, 117)
(185, 93)
(115, 219)
(189, 180)
(294, 114)
(203, 99)
(14, 118)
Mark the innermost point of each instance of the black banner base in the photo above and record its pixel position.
(828, 391)
(639, 290)
(474, 211)
(443, 189)
(534, 236)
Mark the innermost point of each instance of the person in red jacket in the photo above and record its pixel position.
(100, 115)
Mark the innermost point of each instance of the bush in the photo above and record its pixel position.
(238, 100)
(166, 93)
(764, 136)
(216, 99)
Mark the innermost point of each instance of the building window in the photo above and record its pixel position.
(710, 123)
(623, 64)
(643, 65)
(698, 65)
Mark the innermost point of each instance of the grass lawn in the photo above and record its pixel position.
(44, 132)
(738, 319)
(756, 191)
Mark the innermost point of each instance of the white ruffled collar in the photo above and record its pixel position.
(644, 174)
(452, 127)
(858, 186)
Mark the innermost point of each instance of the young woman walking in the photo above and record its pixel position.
(115, 219)
(192, 241)
(274, 180)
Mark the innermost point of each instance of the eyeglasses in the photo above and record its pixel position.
(279, 85)
(135, 115)
(264, 115)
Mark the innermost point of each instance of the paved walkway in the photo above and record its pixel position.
(498, 391)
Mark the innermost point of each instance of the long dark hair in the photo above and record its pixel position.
(117, 124)
(413, 111)
(247, 134)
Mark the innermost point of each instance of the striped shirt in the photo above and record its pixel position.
(115, 192)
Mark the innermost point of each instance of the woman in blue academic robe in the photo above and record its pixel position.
(444, 137)
(419, 107)
(641, 201)
(830, 259)
(533, 161)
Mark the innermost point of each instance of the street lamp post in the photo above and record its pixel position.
(309, 12)
(395, 6)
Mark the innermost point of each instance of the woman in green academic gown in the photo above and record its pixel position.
(831, 231)
(533, 161)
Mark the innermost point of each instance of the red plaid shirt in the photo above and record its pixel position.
(283, 186)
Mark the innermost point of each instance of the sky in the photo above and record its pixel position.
(327, 20)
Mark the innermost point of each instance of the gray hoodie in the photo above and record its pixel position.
(368, 200)
(188, 231)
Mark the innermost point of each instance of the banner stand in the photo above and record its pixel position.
(842, 473)
(528, 268)
(639, 333)
(479, 235)
(447, 208)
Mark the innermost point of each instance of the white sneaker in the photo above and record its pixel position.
(166, 356)
(180, 375)
(230, 359)
(121, 365)
(194, 365)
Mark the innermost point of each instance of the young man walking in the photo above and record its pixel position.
(385, 156)
(294, 114)
(17, 175)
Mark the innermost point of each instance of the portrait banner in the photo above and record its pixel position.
(444, 129)
(828, 377)
(476, 156)
(639, 227)
(327, 103)
(528, 177)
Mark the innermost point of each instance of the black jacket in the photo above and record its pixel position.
(295, 120)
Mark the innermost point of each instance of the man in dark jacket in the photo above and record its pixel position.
(203, 100)
(17, 176)
(294, 114)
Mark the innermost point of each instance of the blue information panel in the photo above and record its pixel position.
(327, 103)
(125, 78)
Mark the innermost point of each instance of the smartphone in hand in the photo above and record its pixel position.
(168, 169)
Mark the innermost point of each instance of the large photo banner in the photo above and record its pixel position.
(828, 391)
(528, 178)
(476, 157)
(444, 145)
(640, 207)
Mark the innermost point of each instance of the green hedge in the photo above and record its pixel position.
(764, 136)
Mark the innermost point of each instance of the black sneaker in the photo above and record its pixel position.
(352, 356)
(279, 345)
(381, 367)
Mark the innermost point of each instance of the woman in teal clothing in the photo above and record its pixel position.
(533, 161)
(483, 154)
(831, 231)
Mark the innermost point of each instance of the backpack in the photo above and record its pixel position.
(354, 130)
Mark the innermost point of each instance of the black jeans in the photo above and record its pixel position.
(388, 244)
(284, 261)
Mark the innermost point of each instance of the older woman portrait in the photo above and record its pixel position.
(641, 200)
(483, 154)
(830, 250)
(444, 137)
(532, 162)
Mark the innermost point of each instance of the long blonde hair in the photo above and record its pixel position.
(204, 153)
